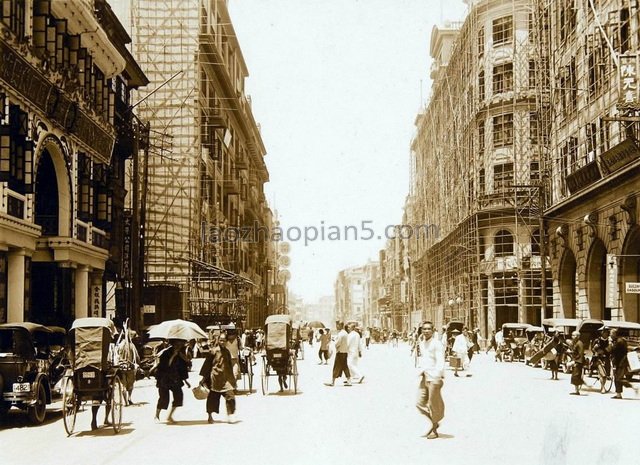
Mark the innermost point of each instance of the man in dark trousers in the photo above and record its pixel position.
(217, 375)
(340, 363)
(172, 372)
(619, 361)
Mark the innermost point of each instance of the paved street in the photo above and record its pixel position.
(505, 413)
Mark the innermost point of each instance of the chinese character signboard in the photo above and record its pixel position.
(96, 300)
(629, 78)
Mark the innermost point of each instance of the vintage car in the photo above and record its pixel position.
(30, 358)
(515, 337)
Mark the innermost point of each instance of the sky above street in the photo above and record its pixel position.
(336, 86)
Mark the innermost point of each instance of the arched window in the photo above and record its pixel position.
(503, 242)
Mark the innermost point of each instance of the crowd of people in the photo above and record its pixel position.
(220, 370)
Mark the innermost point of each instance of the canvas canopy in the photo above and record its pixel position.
(277, 331)
(91, 347)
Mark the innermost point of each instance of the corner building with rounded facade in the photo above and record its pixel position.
(476, 173)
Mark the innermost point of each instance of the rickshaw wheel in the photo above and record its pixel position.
(117, 401)
(38, 412)
(69, 406)
(265, 376)
(294, 374)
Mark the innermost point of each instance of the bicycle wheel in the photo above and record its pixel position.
(608, 384)
(69, 406)
(117, 401)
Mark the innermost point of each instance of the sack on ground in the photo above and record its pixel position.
(200, 392)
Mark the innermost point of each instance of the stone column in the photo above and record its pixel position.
(15, 287)
(82, 292)
(491, 303)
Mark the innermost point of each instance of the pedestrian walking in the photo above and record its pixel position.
(259, 339)
(619, 361)
(171, 373)
(492, 343)
(556, 354)
(234, 347)
(353, 357)
(340, 365)
(499, 337)
(577, 362)
(476, 341)
(323, 352)
(217, 374)
(367, 337)
(431, 379)
(461, 346)
(310, 337)
(601, 349)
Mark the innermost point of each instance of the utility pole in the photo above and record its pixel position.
(543, 251)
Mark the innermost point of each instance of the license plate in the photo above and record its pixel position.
(21, 387)
(277, 355)
(88, 375)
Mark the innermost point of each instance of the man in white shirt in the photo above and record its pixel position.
(461, 349)
(340, 362)
(431, 367)
(353, 357)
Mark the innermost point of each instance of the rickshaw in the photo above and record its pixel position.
(515, 337)
(589, 330)
(535, 341)
(93, 376)
(279, 358)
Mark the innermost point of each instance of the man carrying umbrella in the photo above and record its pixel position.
(173, 365)
(172, 372)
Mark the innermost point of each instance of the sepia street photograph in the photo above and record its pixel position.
(304, 232)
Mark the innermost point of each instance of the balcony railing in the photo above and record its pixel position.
(88, 233)
(15, 205)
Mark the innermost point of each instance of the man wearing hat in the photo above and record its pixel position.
(461, 348)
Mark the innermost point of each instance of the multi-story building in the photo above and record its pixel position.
(65, 131)
(207, 219)
(474, 198)
(349, 294)
(394, 306)
(593, 157)
(322, 310)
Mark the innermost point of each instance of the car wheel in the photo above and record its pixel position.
(39, 410)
